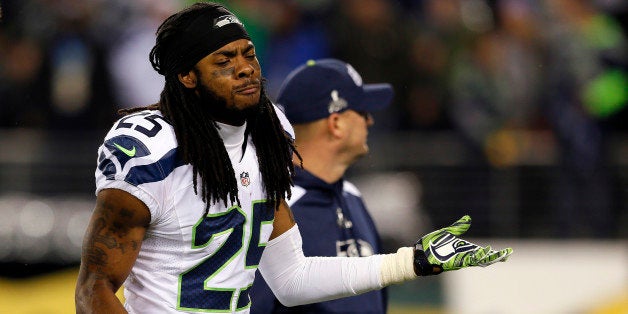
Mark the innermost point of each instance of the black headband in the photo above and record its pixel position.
(207, 33)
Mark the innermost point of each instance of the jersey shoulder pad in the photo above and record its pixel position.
(138, 147)
(147, 131)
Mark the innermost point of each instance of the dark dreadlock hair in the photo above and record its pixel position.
(197, 132)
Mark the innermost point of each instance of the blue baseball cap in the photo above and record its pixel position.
(320, 87)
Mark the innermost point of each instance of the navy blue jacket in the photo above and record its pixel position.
(333, 221)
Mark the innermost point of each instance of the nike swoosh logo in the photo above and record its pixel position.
(128, 152)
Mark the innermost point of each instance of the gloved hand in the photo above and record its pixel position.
(442, 250)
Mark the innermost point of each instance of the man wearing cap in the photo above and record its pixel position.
(329, 107)
(190, 193)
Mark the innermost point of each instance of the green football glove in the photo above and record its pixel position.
(442, 250)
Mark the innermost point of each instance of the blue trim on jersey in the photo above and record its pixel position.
(107, 168)
(156, 171)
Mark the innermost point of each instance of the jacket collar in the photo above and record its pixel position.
(307, 180)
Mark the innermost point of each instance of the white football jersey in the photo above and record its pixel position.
(188, 262)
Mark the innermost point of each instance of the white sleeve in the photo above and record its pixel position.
(296, 279)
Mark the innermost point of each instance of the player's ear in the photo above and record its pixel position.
(334, 124)
(188, 79)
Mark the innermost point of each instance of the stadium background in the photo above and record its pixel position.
(513, 111)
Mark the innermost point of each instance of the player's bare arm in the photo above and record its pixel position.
(284, 220)
(110, 248)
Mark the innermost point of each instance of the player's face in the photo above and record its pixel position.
(357, 134)
(232, 74)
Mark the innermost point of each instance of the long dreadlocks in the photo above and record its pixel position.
(197, 132)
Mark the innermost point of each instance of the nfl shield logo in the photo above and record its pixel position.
(244, 179)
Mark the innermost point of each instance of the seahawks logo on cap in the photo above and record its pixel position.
(226, 20)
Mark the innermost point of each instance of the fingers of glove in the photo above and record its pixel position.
(459, 227)
(465, 259)
(495, 256)
(505, 254)
(475, 256)
(493, 252)
(505, 258)
(489, 259)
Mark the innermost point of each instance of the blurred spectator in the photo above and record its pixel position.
(491, 87)
(54, 75)
(22, 101)
(495, 83)
(374, 35)
(297, 35)
(21, 97)
(584, 45)
(135, 81)
(438, 37)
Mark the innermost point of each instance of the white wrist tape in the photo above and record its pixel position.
(296, 279)
(398, 267)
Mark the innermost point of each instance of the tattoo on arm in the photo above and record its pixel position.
(108, 234)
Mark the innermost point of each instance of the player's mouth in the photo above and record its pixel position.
(248, 89)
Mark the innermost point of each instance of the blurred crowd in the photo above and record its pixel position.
(479, 66)
(485, 69)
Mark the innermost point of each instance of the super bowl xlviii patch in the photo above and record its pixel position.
(226, 20)
(245, 180)
(337, 103)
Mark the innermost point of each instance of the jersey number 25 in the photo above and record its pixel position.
(195, 291)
